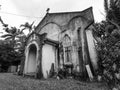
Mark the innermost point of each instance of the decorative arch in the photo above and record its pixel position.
(67, 48)
(50, 23)
(66, 40)
(71, 23)
(79, 16)
(31, 58)
(52, 29)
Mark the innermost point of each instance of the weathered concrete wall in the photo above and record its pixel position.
(48, 57)
(62, 19)
(92, 50)
(57, 26)
(75, 43)
(52, 31)
(32, 59)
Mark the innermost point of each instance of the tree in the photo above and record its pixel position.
(28, 26)
(5, 25)
(8, 56)
(15, 38)
(109, 55)
(112, 10)
(12, 34)
(107, 33)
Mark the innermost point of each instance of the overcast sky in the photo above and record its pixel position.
(16, 12)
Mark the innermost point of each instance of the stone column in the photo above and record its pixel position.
(85, 52)
(41, 39)
(84, 46)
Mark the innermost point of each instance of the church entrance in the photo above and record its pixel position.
(31, 59)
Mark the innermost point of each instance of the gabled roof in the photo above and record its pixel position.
(66, 17)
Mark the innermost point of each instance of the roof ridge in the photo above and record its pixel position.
(70, 11)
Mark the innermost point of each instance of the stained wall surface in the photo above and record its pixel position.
(92, 50)
(48, 57)
(31, 62)
(57, 27)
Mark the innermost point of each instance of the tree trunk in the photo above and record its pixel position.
(22, 66)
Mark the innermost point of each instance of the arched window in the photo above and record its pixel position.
(66, 41)
(67, 48)
(79, 38)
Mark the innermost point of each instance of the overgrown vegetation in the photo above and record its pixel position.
(14, 82)
(13, 46)
(8, 56)
(107, 34)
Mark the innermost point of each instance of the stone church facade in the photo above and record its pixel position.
(62, 39)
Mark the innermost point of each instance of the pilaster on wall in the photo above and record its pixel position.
(39, 73)
(38, 40)
(85, 51)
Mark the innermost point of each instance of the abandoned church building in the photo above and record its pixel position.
(61, 39)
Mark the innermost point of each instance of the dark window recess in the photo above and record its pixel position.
(68, 54)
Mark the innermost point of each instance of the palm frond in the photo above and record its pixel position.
(7, 30)
(8, 38)
(26, 25)
(22, 25)
(23, 29)
(13, 30)
(6, 35)
(1, 20)
(32, 23)
(5, 25)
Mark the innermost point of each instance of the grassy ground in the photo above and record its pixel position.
(13, 82)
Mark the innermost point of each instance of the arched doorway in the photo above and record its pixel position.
(31, 59)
